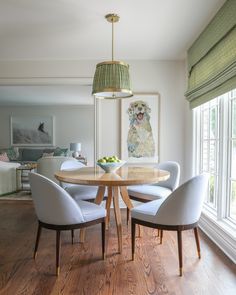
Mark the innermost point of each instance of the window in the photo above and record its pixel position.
(209, 147)
(216, 155)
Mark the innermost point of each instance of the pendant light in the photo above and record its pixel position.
(111, 79)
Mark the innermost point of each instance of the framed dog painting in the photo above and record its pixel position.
(140, 128)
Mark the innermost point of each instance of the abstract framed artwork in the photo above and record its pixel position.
(140, 128)
(32, 130)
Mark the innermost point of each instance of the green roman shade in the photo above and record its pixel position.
(212, 58)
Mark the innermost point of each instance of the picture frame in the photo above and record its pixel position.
(32, 130)
(140, 128)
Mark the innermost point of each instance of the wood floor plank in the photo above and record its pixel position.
(83, 272)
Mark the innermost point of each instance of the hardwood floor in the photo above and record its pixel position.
(154, 271)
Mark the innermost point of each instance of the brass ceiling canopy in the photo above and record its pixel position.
(112, 17)
(111, 79)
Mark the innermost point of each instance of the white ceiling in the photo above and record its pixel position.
(77, 30)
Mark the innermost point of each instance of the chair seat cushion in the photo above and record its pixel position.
(82, 192)
(91, 211)
(147, 212)
(149, 192)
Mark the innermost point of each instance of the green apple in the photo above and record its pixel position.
(113, 159)
(102, 160)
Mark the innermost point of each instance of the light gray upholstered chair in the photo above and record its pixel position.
(180, 211)
(78, 192)
(160, 190)
(56, 210)
(47, 166)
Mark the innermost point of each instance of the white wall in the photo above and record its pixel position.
(168, 78)
(72, 124)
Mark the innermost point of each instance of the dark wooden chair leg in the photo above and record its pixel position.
(133, 227)
(197, 241)
(161, 235)
(103, 224)
(37, 240)
(127, 215)
(179, 235)
(58, 245)
(158, 232)
(72, 236)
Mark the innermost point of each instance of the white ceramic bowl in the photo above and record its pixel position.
(111, 167)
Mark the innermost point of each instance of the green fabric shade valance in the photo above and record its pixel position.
(212, 58)
(111, 80)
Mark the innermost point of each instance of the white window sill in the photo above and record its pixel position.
(221, 232)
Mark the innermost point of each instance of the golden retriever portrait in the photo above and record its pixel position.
(140, 142)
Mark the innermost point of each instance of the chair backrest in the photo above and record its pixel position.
(184, 205)
(53, 205)
(47, 166)
(72, 164)
(173, 181)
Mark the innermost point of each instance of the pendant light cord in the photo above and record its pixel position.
(113, 94)
(112, 45)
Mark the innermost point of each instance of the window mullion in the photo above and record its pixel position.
(229, 142)
(229, 147)
(222, 168)
(197, 142)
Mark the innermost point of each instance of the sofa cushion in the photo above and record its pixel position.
(49, 151)
(60, 152)
(47, 154)
(31, 154)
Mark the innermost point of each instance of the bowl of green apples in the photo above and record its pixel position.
(110, 164)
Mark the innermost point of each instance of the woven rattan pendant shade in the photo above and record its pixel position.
(111, 79)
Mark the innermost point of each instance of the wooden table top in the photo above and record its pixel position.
(126, 175)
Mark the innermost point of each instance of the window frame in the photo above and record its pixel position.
(221, 214)
(212, 209)
(230, 154)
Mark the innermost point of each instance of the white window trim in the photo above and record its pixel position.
(216, 226)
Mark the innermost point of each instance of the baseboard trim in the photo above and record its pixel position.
(7, 194)
(225, 241)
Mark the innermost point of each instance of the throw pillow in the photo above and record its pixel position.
(12, 153)
(4, 157)
(60, 152)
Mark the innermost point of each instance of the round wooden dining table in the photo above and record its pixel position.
(116, 183)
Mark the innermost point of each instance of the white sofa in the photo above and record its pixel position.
(8, 182)
(47, 166)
